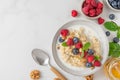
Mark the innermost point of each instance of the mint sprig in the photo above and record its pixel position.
(64, 44)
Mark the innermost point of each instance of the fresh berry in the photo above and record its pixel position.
(115, 39)
(98, 11)
(97, 63)
(94, 3)
(78, 45)
(70, 42)
(114, 4)
(99, 5)
(64, 32)
(112, 16)
(107, 33)
(88, 1)
(100, 20)
(61, 39)
(90, 58)
(91, 51)
(74, 13)
(85, 10)
(88, 64)
(92, 12)
(76, 40)
(75, 51)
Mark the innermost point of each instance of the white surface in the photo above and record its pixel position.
(29, 24)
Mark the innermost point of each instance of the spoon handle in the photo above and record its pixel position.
(55, 71)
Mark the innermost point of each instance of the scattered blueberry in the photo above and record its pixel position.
(61, 39)
(90, 51)
(75, 51)
(107, 33)
(88, 64)
(76, 40)
(112, 16)
(115, 39)
(114, 4)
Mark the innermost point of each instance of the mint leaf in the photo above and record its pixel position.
(64, 44)
(118, 33)
(86, 46)
(114, 49)
(110, 25)
(97, 58)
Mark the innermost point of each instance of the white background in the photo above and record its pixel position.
(29, 24)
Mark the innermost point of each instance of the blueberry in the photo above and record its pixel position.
(114, 4)
(90, 51)
(112, 16)
(75, 51)
(119, 4)
(88, 64)
(110, 1)
(76, 40)
(61, 39)
(107, 33)
(115, 39)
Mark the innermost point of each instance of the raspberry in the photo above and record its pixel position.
(85, 10)
(64, 32)
(98, 11)
(74, 13)
(93, 3)
(90, 58)
(92, 12)
(88, 1)
(97, 63)
(78, 45)
(100, 20)
(70, 42)
(99, 5)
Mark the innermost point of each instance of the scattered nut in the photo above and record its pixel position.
(35, 74)
(89, 77)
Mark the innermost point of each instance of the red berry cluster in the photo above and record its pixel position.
(92, 8)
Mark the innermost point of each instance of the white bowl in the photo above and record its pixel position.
(106, 1)
(88, 25)
(96, 17)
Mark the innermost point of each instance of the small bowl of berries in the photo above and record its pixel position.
(114, 4)
(91, 8)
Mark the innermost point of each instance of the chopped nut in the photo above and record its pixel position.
(35, 74)
(89, 77)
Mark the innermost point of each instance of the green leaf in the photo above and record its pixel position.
(64, 44)
(97, 57)
(114, 49)
(86, 46)
(118, 33)
(110, 25)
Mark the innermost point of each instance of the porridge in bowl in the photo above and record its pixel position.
(78, 49)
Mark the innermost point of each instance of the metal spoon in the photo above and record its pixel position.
(42, 59)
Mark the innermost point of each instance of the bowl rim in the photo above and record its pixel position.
(111, 6)
(107, 44)
(81, 4)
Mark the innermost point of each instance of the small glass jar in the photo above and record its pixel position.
(112, 68)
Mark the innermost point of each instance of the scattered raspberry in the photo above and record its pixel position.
(78, 45)
(92, 12)
(100, 20)
(97, 63)
(64, 32)
(70, 42)
(99, 5)
(90, 58)
(74, 13)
